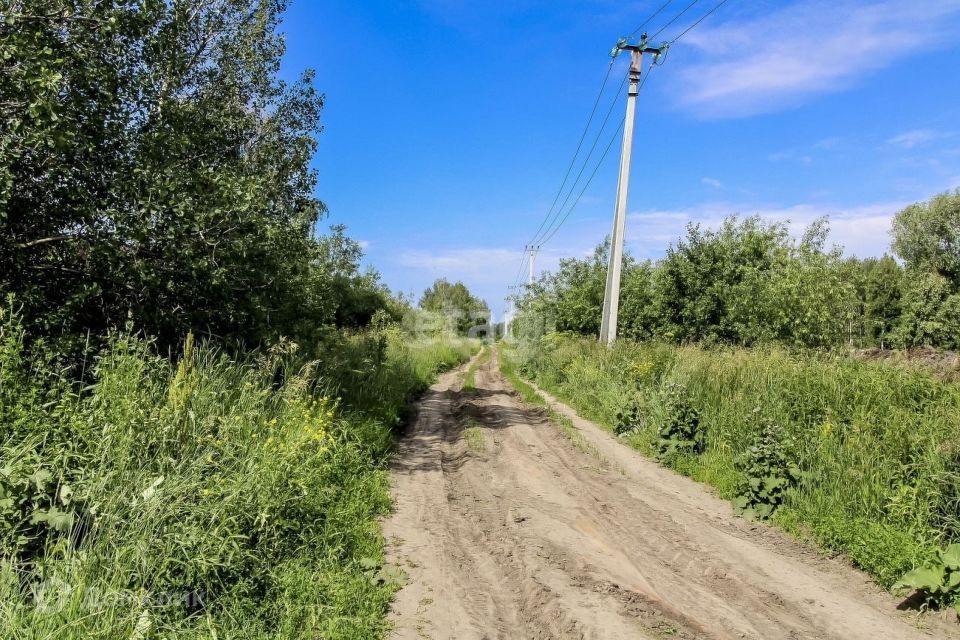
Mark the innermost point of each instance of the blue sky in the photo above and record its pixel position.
(449, 124)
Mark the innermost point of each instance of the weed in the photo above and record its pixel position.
(767, 473)
(250, 488)
(630, 419)
(474, 438)
(938, 582)
(678, 427)
(877, 440)
(470, 379)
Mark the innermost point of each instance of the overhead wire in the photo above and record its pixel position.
(702, 18)
(550, 233)
(580, 145)
(674, 19)
(544, 234)
(523, 261)
(649, 19)
(586, 161)
(596, 168)
(576, 153)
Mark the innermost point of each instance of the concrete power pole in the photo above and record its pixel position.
(611, 295)
(533, 258)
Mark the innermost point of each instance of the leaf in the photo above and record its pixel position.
(54, 518)
(951, 556)
(922, 579)
(152, 489)
(41, 477)
(953, 581)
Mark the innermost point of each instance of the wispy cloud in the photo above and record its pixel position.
(475, 261)
(783, 57)
(712, 182)
(910, 139)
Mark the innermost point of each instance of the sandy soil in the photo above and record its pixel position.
(523, 531)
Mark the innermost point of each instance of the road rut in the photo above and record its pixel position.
(525, 532)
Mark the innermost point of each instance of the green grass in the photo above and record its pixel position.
(508, 368)
(257, 484)
(529, 394)
(880, 442)
(470, 378)
(475, 440)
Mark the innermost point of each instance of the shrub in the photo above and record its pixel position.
(678, 424)
(939, 582)
(767, 473)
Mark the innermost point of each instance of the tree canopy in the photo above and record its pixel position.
(153, 168)
(454, 301)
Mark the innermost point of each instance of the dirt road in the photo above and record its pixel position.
(509, 528)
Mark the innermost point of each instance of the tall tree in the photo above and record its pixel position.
(454, 301)
(153, 166)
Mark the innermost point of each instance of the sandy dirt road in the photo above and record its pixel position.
(533, 534)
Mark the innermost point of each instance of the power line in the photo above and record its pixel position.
(523, 261)
(674, 19)
(576, 153)
(586, 161)
(647, 21)
(603, 157)
(702, 18)
(596, 168)
(583, 135)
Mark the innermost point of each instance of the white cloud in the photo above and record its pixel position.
(712, 182)
(861, 231)
(790, 154)
(910, 139)
(476, 261)
(780, 58)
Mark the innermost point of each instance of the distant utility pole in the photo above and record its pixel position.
(611, 295)
(533, 257)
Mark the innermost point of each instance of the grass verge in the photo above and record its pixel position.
(878, 444)
(470, 379)
(209, 497)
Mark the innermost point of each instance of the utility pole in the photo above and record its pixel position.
(533, 258)
(510, 312)
(611, 295)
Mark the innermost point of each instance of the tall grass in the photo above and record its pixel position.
(209, 497)
(879, 442)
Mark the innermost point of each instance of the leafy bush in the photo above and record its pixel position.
(630, 419)
(939, 583)
(678, 424)
(767, 472)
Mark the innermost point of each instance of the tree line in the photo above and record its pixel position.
(749, 282)
(155, 172)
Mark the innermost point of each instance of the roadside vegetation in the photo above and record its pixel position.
(206, 495)
(759, 365)
(198, 387)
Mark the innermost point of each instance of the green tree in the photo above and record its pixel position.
(926, 236)
(577, 291)
(878, 285)
(709, 284)
(153, 166)
(931, 313)
(808, 302)
(455, 302)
